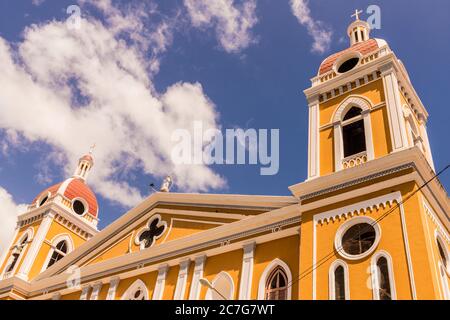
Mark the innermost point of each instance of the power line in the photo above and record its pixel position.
(327, 257)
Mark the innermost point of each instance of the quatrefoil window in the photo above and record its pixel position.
(154, 230)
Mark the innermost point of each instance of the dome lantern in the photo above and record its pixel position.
(85, 164)
(359, 30)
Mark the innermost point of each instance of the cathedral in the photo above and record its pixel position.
(370, 222)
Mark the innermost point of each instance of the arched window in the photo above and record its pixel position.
(61, 246)
(339, 283)
(338, 277)
(383, 278)
(17, 252)
(137, 291)
(442, 252)
(59, 252)
(222, 283)
(384, 286)
(353, 133)
(276, 287)
(275, 282)
(443, 266)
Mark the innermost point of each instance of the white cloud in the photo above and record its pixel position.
(232, 22)
(37, 2)
(9, 211)
(42, 82)
(316, 29)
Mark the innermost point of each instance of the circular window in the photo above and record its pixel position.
(357, 238)
(43, 200)
(348, 65)
(79, 207)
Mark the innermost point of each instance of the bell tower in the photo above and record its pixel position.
(362, 106)
(60, 219)
(375, 221)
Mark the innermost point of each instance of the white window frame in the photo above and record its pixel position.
(332, 280)
(30, 233)
(440, 239)
(138, 284)
(444, 270)
(338, 124)
(347, 225)
(267, 272)
(444, 281)
(54, 243)
(375, 274)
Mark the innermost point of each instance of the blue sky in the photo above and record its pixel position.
(257, 85)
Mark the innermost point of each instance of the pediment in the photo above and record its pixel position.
(165, 217)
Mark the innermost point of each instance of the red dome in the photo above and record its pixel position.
(362, 47)
(87, 157)
(74, 188)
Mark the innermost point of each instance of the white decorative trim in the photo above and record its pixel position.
(62, 188)
(347, 225)
(137, 285)
(247, 271)
(314, 140)
(9, 248)
(355, 209)
(227, 295)
(62, 237)
(96, 290)
(180, 288)
(35, 246)
(198, 274)
(437, 222)
(160, 282)
(439, 239)
(374, 270)
(395, 112)
(444, 281)
(113, 284)
(29, 233)
(85, 292)
(266, 273)
(331, 280)
(56, 296)
(147, 225)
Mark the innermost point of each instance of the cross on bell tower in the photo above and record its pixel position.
(356, 14)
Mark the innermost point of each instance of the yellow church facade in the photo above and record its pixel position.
(370, 222)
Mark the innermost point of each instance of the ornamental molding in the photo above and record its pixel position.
(442, 231)
(358, 181)
(357, 209)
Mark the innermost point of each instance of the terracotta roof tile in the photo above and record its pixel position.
(363, 48)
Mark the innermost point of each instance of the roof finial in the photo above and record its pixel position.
(356, 14)
(91, 149)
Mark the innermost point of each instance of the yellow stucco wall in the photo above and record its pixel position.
(56, 229)
(285, 249)
(230, 262)
(391, 241)
(430, 228)
(374, 92)
(177, 227)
